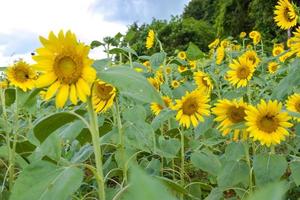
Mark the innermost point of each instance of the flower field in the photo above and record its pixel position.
(191, 125)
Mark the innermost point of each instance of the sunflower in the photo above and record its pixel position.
(243, 34)
(3, 84)
(193, 64)
(236, 47)
(294, 42)
(252, 34)
(147, 65)
(230, 113)
(293, 104)
(159, 76)
(181, 55)
(255, 36)
(203, 81)
(277, 50)
(103, 95)
(192, 107)
(21, 75)
(157, 108)
(287, 55)
(252, 57)
(241, 72)
(267, 123)
(175, 84)
(220, 55)
(66, 68)
(150, 39)
(168, 70)
(225, 43)
(272, 67)
(285, 15)
(156, 83)
(182, 68)
(214, 44)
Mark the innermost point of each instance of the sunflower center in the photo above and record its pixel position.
(287, 15)
(67, 69)
(236, 115)
(252, 59)
(190, 106)
(21, 75)
(103, 91)
(243, 72)
(268, 124)
(205, 82)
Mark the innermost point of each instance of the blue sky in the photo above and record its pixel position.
(89, 19)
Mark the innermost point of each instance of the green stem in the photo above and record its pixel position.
(121, 140)
(246, 147)
(130, 58)
(182, 161)
(93, 127)
(272, 148)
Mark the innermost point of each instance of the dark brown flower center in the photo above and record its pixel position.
(103, 91)
(235, 114)
(243, 72)
(268, 123)
(190, 106)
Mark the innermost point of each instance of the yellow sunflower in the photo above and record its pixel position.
(147, 65)
(252, 57)
(150, 39)
(241, 72)
(103, 96)
(181, 55)
(156, 83)
(243, 34)
(182, 68)
(3, 84)
(225, 43)
(287, 55)
(21, 75)
(65, 67)
(285, 15)
(220, 55)
(192, 107)
(193, 64)
(175, 84)
(294, 42)
(293, 104)
(157, 108)
(277, 50)
(214, 44)
(203, 81)
(168, 70)
(255, 36)
(229, 113)
(267, 123)
(272, 67)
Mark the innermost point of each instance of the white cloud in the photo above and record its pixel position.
(38, 17)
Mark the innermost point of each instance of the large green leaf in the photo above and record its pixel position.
(268, 168)
(157, 59)
(45, 126)
(193, 52)
(274, 191)
(207, 162)
(45, 181)
(130, 84)
(19, 160)
(295, 168)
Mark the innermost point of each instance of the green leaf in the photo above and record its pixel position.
(268, 168)
(274, 191)
(173, 185)
(19, 160)
(234, 151)
(163, 116)
(168, 148)
(207, 162)
(157, 59)
(123, 50)
(150, 189)
(45, 126)
(129, 35)
(295, 169)
(101, 64)
(10, 96)
(72, 131)
(193, 52)
(95, 44)
(45, 181)
(131, 84)
(233, 173)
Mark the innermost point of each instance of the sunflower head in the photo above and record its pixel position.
(181, 55)
(103, 96)
(293, 104)
(154, 82)
(225, 43)
(220, 55)
(65, 67)
(193, 64)
(150, 39)
(214, 44)
(285, 15)
(252, 57)
(203, 81)
(157, 108)
(229, 113)
(272, 67)
(253, 34)
(192, 108)
(241, 71)
(277, 50)
(147, 65)
(243, 34)
(182, 68)
(294, 43)
(175, 84)
(21, 75)
(267, 123)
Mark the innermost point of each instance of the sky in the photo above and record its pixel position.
(22, 21)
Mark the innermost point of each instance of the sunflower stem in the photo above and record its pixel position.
(272, 148)
(93, 127)
(246, 147)
(116, 110)
(182, 160)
